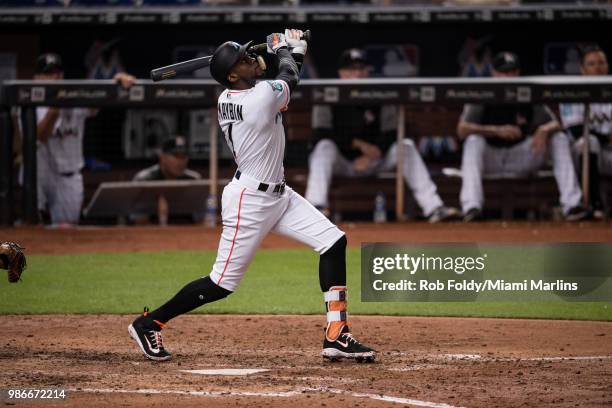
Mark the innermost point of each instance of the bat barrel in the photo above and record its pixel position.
(160, 74)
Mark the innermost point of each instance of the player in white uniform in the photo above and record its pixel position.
(60, 149)
(257, 200)
(59, 163)
(594, 62)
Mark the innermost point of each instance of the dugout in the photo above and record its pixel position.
(436, 40)
(405, 93)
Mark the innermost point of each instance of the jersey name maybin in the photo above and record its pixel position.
(230, 111)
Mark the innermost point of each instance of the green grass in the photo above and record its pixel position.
(278, 281)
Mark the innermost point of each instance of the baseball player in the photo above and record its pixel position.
(594, 62)
(357, 141)
(172, 165)
(513, 139)
(60, 148)
(258, 201)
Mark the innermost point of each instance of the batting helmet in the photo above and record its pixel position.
(224, 58)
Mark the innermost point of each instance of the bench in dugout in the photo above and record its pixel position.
(506, 195)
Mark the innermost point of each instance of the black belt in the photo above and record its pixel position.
(70, 174)
(278, 188)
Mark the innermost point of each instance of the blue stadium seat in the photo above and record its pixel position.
(30, 3)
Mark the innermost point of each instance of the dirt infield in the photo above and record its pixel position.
(424, 362)
(39, 240)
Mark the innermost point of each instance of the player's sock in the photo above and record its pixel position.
(332, 278)
(192, 296)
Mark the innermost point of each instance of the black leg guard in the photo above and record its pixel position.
(192, 296)
(332, 266)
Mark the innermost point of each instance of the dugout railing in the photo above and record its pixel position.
(203, 94)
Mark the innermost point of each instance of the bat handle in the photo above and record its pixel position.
(261, 48)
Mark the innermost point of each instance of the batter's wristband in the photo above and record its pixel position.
(298, 50)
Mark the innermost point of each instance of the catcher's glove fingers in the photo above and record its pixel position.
(13, 259)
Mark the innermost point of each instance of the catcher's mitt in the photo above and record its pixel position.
(13, 259)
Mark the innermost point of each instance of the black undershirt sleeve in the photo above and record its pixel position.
(288, 67)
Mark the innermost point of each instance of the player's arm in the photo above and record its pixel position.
(545, 124)
(46, 124)
(122, 78)
(544, 120)
(465, 128)
(368, 149)
(288, 70)
(470, 124)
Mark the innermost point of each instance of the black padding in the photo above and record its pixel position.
(288, 70)
(332, 266)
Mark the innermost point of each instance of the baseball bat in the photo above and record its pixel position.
(186, 67)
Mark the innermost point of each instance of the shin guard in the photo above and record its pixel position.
(335, 303)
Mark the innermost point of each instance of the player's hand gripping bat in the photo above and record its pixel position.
(186, 67)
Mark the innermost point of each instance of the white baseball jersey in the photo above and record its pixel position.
(252, 122)
(64, 149)
(572, 114)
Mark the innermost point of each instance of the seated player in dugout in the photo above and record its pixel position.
(514, 140)
(257, 200)
(172, 165)
(358, 141)
(59, 151)
(593, 62)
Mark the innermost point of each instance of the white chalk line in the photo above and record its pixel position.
(482, 359)
(578, 358)
(478, 357)
(292, 393)
(227, 371)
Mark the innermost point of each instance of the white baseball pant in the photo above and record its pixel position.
(481, 158)
(326, 160)
(249, 215)
(63, 195)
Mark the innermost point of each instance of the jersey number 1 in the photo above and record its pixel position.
(231, 141)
